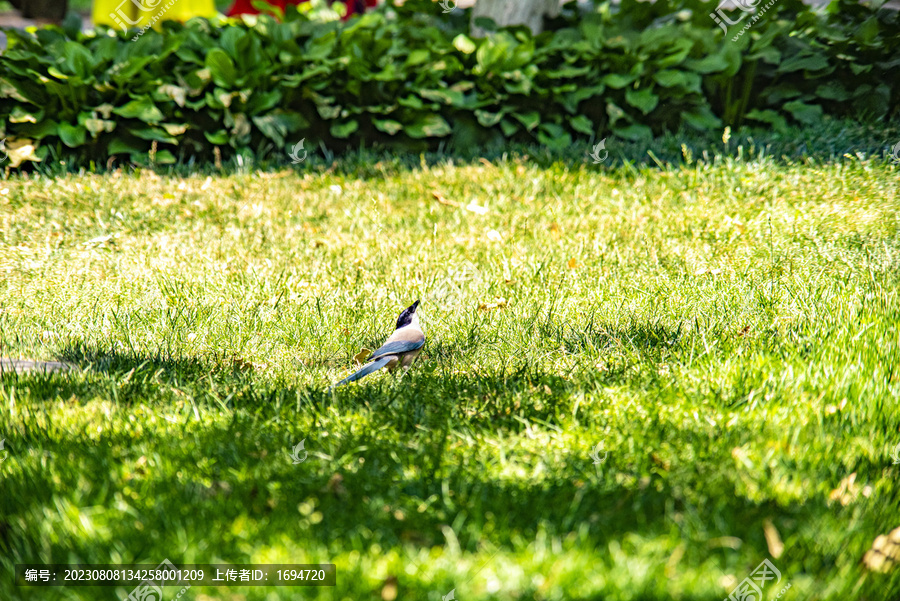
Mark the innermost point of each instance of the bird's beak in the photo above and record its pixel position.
(414, 305)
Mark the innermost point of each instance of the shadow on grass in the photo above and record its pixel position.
(390, 464)
(435, 389)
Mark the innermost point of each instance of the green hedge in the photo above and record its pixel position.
(410, 78)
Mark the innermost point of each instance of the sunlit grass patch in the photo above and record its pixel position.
(727, 332)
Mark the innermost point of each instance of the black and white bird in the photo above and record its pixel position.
(400, 349)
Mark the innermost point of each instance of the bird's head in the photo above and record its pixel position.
(408, 316)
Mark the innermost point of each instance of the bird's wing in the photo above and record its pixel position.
(395, 347)
(403, 340)
(365, 371)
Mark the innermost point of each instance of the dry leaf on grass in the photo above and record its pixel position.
(362, 355)
(848, 491)
(885, 552)
(773, 539)
(20, 150)
(444, 201)
(389, 589)
(497, 303)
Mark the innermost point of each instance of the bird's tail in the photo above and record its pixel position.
(365, 371)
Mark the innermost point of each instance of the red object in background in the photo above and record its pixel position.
(244, 7)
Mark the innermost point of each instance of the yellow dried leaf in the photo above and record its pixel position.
(362, 355)
(554, 229)
(884, 555)
(573, 263)
(389, 590)
(848, 491)
(497, 303)
(444, 201)
(20, 150)
(773, 539)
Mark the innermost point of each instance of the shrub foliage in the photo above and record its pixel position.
(410, 77)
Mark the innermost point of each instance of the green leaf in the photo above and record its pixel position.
(644, 99)
(219, 138)
(38, 130)
(98, 126)
(417, 57)
(804, 113)
(153, 134)
(833, 90)
(508, 127)
(444, 96)
(72, 135)
(77, 60)
(464, 44)
(530, 119)
(618, 81)
(142, 109)
(635, 132)
(120, 146)
(20, 115)
(221, 67)
(344, 130)
(614, 113)
(709, 64)
(164, 157)
(799, 63)
(174, 129)
(701, 118)
(126, 71)
(387, 125)
(554, 136)
(277, 124)
(769, 116)
(671, 78)
(582, 124)
(681, 47)
(488, 119)
(170, 92)
(430, 126)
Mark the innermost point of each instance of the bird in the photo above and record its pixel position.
(400, 348)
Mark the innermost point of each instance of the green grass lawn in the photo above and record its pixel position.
(726, 331)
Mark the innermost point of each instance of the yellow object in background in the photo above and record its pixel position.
(128, 14)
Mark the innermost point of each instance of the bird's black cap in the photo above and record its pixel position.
(406, 317)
